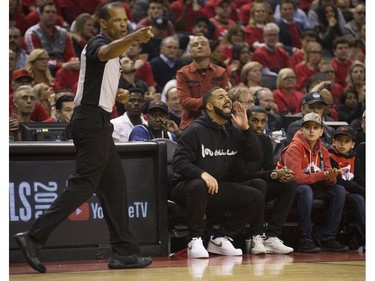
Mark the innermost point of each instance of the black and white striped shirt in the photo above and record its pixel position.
(98, 81)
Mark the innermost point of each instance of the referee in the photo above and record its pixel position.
(98, 167)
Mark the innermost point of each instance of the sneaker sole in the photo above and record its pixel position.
(258, 252)
(192, 256)
(202, 255)
(224, 253)
(215, 250)
(278, 252)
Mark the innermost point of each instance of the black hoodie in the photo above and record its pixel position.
(205, 146)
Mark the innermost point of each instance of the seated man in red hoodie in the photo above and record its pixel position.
(309, 160)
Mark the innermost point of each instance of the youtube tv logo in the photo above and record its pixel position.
(82, 213)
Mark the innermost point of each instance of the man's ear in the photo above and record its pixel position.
(209, 106)
(103, 23)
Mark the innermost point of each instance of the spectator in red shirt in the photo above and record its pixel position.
(16, 17)
(221, 20)
(271, 56)
(67, 78)
(356, 79)
(46, 97)
(154, 11)
(341, 62)
(20, 78)
(37, 64)
(251, 74)
(210, 7)
(241, 56)
(70, 9)
(186, 12)
(197, 78)
(309, 66)
(244, 12)
(234, 36)
(307, 36)
(54, 39)
(326, 67)
(12, 66)
(287, 98)
(261, 14)
(144, 72)
(81, 32)
(33, 17)
(24, 104)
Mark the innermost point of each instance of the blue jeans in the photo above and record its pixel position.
(334, 195)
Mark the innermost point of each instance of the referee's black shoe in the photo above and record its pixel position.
(31, 250)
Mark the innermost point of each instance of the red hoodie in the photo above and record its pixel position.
(305, 162)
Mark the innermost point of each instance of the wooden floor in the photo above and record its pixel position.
(296, 266)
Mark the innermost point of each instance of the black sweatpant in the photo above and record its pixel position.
(284, 193)
(246, 204)
(98, 170)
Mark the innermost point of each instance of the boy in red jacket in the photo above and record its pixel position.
(309, 160)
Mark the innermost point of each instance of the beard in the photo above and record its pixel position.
(219, 111)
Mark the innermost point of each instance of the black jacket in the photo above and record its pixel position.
(205, 146)
(261, 168)
(355, 185)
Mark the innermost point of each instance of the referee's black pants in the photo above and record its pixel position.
(98, 170)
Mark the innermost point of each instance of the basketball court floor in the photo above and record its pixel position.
(347, 266)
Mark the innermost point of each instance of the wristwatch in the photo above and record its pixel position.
(274, 175)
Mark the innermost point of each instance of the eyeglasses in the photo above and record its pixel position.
(247, 103)
(328, 71)
(289, 78)
(315, 52)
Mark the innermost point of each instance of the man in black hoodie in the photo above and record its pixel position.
(204, 155)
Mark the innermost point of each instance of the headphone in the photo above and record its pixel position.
(255, 96)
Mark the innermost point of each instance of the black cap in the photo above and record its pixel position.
(311, 98)
(158, 104)
(136, 90)
(160, 22)
(202, 19)
(345, 130)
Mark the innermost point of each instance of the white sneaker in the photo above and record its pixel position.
(223, 246)
(274, 245)
(257, 246)
(195, 249)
